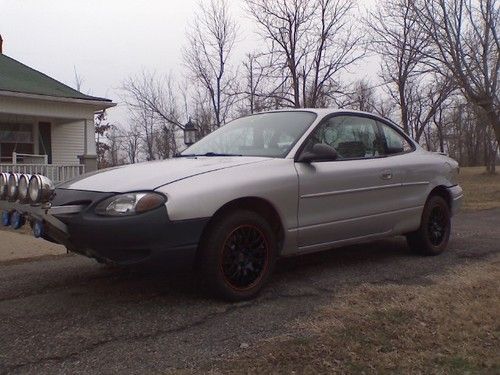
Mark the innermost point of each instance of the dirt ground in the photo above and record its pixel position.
(19, 245)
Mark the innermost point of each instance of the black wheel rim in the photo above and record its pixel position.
(244, 257)
(437, 226)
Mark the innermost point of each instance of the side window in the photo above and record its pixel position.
(353, 137)
(395, 142)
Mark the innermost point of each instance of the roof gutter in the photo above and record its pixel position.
(101, 104)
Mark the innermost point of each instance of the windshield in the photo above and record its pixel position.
(267, 134)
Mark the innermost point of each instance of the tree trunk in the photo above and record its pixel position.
(440, 137)
(491, 116)
(496, 128)
(490, 157)
(493, 167)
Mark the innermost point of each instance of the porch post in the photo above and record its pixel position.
(36, 138)
(89, 157)
(89, 162)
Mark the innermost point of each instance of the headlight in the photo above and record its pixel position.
(4, 180)
(24, 181)
(40, 189)
(12, 186)
(130, 204)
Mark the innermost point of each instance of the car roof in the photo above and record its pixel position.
(321, 112)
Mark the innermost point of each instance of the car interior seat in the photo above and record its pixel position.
(352, 149)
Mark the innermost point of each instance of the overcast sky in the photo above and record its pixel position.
(106, 41)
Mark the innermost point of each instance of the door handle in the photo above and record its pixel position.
(386, 175)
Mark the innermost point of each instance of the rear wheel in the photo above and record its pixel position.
(237, 255)
(435, 227)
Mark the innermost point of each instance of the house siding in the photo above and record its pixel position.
(68, 142)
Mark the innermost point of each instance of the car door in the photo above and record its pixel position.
(416, 173)
(353, 196)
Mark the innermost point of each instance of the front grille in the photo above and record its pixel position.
(65, 197)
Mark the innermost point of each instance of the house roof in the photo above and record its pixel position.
(19, 78)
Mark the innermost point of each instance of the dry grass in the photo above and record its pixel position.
(449, 327)
(482, 191)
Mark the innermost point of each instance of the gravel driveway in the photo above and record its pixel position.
(67, 314)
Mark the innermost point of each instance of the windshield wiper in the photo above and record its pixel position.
(219, 154)
(205, 154)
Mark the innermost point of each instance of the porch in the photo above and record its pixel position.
(57, 148)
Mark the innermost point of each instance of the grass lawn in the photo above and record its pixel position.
(481, 190)
(450, 326)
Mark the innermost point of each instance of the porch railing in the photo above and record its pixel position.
(29, 159)
(56, 172)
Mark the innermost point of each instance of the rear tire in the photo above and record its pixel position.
(237, 255)
(434, 233)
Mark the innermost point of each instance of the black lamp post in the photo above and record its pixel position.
(190, 133)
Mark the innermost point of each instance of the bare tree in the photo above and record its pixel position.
(253, 78)
(425, 97)
(166, 142)
(102, 126)
(145, 121)
(403, 46)
(466, 42)
(440, 124)
(458, 129)
(211, 39)
(466, 45)
(254, 73)
(153, 102)
(154, 94)
(131, 143)
(311, 41)
(255, 94)
(115, 138)
(362, 97)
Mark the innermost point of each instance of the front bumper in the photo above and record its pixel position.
(146, 237)
(456, 195)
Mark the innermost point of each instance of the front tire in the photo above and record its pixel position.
(434, 233)
(237, 255)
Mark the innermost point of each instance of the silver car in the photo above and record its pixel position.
(262, 187)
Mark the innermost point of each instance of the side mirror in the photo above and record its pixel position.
(318, 152)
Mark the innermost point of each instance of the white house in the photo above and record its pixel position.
(45, 126)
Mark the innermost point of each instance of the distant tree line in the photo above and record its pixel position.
(438, 75)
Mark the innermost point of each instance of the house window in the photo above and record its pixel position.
(15, 138)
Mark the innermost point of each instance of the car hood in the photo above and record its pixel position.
(151, 175)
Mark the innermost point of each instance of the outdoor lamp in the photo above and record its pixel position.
(190, 132)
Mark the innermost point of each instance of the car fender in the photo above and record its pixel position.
(274, 181)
